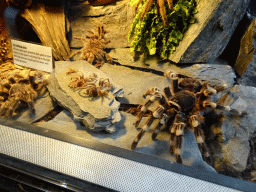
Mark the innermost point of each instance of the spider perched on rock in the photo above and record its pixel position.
(180, 108)
(93, 50)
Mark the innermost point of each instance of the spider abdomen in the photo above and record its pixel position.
(185, 99)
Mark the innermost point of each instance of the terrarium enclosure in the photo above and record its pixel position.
(170, 79)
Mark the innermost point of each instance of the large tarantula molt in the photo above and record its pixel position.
(180, 105)
(93, 50)
(19, 88)
(160, 8)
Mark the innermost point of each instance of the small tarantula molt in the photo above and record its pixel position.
(179, 107)
(93, 50)
(91, 89)
(88, 84)
(80, 81)
(160, 8)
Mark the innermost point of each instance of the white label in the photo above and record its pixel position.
(32, 55)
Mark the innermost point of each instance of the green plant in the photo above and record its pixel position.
(150, 36)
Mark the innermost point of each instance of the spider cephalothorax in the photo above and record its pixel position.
(180, 108)
(93, 50)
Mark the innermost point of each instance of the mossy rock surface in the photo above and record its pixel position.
(207, 38)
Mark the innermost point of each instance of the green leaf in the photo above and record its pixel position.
(152, 37)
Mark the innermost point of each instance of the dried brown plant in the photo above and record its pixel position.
(160, 8)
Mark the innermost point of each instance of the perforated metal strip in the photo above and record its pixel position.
(100, 168)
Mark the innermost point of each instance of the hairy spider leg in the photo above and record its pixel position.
(4, 108)
(220, 88)
(174, 81)
(80, 38)
(167, 92)
(176, 137)
(30, 97)
(156, 95)
(13, 105)
(166, 116)
(196, 121)
(213, 105)
(200, 139)
(156, 115)
(105, 84)
(75, 53)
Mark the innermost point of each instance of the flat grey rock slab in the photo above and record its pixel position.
(98, 113)
(43, 105)
(124, 136)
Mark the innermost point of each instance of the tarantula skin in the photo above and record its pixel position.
(92, 90)
(93, 50)
(18, 88)
(179, 107)
(88, 85)
(18, 93)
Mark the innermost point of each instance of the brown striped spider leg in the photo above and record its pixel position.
(158, 113)
(155, 95)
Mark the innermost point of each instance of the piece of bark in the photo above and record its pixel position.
(246, 50)
(49, 24)
(240, 49)
(207, 38)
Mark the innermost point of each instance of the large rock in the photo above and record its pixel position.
(97, 113)
(215, 72)
(207, 38)
(116, 19)
(237, 129)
